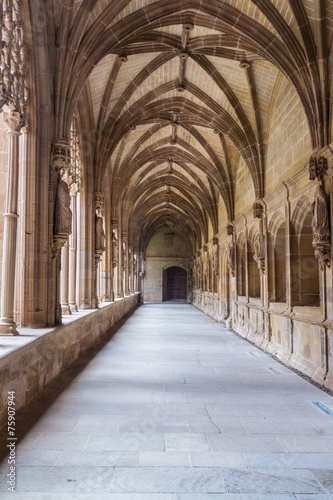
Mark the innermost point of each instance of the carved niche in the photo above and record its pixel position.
(321, 228)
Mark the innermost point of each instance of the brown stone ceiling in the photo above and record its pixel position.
(181, 90)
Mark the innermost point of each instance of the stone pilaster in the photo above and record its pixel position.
(7, 325)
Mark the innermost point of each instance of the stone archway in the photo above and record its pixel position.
(174, 283)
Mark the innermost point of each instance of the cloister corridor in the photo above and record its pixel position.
(175, 406)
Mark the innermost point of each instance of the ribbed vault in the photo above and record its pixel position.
(180, 91)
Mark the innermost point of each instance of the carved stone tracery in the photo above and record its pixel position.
(13, 71)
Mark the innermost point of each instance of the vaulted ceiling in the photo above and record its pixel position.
(180, 90)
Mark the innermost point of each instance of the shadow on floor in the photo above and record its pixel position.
(28, 416)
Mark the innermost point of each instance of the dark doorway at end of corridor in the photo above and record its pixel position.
(174, 283)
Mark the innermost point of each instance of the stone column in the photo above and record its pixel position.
(131, 267)
(120, 287)
(126, 265)
(114, 258)
(99, 241)
(67, 281)
(73, 251)
(65, 309)
(7, 324)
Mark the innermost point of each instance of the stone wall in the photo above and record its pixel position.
(166, 249)
(282, 301)
(28, 369)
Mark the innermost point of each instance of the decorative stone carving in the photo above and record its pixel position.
(317, 168)
(114, 229)
(61, 160)
(230, 229)
(99, 229)
(99, 204)
(12, 118)
(321, 228)
(258, 210)
(100, 235)
(63, 213)
(206, 267)
(58, 242)
(199, 274)
(231, 258)
(259, 252)
(13, 72)
(168, 240)
(216, 266)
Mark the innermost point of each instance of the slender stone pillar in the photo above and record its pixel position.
(99, 242)
(120, 288)
(7, 324)
(114, 258)
(64, 279)
(131, 267)
(73, 251)
(126, 265)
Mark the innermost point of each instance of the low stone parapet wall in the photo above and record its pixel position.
(30, 361)
(299, 337)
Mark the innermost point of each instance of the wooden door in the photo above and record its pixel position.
(175, 284)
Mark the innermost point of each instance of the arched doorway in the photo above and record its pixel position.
(174, 283)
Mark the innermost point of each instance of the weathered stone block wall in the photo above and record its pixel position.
(28, 369)
(289, 145)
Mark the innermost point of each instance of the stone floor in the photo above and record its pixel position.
(177, 407)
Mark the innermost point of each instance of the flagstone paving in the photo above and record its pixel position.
(177, 407)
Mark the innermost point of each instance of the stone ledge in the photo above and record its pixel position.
(31, 360)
